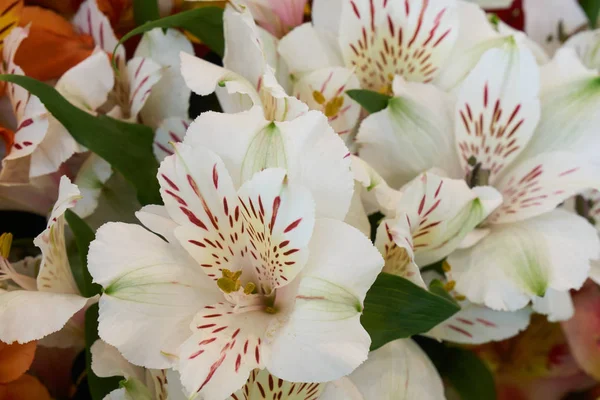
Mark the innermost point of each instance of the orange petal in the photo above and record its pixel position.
(52, 46)
(15, 359)
(64, 7)
(114, 9)
(25, 388)
(8, 138)
(10, 10)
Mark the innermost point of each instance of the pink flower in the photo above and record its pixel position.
(278, 16)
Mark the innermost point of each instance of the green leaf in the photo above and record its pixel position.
(371, 101)
(465, 372)
(99, 387)
(592, 9)
(206, 23)
(396, 308)
(83, 237)
(145, 11)
(127, 147)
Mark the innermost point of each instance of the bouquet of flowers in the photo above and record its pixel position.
(294, 199)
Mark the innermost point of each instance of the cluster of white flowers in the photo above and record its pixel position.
(249, 281)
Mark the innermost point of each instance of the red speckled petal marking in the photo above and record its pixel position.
(263, 386)
(383, 38)
(497, 109)
(199, 196)
(279, 219)
(223, 349)
(539, 184)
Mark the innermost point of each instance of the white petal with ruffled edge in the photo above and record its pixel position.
(142, 74)
(31, 315)
(400, 369)
(557, 305)
(152, 290)
(170, 130)
(313, 155)
(322, 338)
(517, 262)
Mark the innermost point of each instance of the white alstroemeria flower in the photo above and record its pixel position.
(364, 44)
(139, 383)
(258, 278)
(247, 79)
(135, 78)
(525, 250)
(400, 369)
(31, 118)
(433, 215)
(31, 308)
(170, 96)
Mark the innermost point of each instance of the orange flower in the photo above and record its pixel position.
(52, 47)
(26, 387)
(64, 7)
(15, 359)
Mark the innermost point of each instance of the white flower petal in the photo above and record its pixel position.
(476, 324)
(326, 14)
(412, 135)
(217, 359)
(570, 97)
(203, 77)
(87, 84)
(517, 262)
(323, 340)
(561, 18)
(263, 385)
(56, 147)
(55, 271)
(306, 49)
(92, 176)
(90, 21)
(383, 39)
(497, 109)
(557, 305)
(170, 130)
(279, 223)
(31, 315)
(321, 89)
(586, 45)
(199, 195)
(170, 96)
(539, 184)
(400, 369)
(152, 290)
(475, 36)
(143, 73)
(107, 361)
(313, 155)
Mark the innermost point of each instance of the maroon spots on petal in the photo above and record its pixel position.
(460, 330)
(196, 354)
(486, 323)
(139, 68)
(25, 123)
(569, 171)
(206, 326)
(192, 218)
(215, 176)
(465, 321)
(421, 205)
(292, 226)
